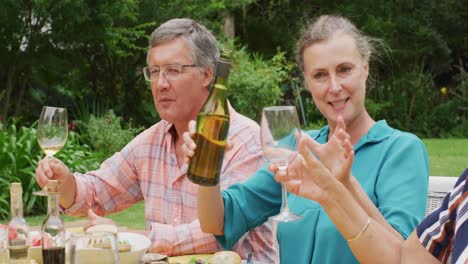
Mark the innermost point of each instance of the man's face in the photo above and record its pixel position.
(180, 99)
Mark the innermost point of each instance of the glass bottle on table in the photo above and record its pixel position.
(18, 229)
(212, 129)
(53, 231)
(3, 245)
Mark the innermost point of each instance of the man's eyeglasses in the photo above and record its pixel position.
(171, 71)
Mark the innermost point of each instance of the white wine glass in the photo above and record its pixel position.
(52, 132)
(279, 127)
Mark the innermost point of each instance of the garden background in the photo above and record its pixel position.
(87, 56)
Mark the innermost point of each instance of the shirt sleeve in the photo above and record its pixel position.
(444, 233)
(402, 182)
(181, 239)
(111, 188)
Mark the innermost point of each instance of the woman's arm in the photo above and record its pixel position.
(401, 167)
(353, 186)
(370, 242)
(337, 148)
(211, 209)
(412, 250)
(210, 200)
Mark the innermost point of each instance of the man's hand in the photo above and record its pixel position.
(99, 223)
(51, 169)
(54, 169)
(189, 145)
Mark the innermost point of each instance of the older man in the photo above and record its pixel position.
(181, 59)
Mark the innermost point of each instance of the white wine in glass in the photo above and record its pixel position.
(279, 127)
(52, 132)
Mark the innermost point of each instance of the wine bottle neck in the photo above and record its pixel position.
(53, 204)
(16, 203)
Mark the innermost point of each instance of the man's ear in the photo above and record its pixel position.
(208, 76)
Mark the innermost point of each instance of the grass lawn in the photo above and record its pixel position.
(448, 157)
(133, 218)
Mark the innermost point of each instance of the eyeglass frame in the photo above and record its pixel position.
(162, 69)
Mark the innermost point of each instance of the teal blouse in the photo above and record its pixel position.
(393, 168)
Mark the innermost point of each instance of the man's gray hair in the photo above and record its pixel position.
(200, 40)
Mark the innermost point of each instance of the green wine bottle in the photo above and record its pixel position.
(212, 129)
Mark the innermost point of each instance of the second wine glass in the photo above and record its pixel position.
(52, 132)
(279, 126)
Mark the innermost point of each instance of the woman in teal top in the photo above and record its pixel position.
(390, 167)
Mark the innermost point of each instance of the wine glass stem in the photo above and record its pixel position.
(284, 196)
(284, 193)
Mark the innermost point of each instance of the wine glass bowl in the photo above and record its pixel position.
(279, 128)
(52, 129)
(52, 132)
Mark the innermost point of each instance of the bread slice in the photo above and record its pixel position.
(226, 257)
(123, 245)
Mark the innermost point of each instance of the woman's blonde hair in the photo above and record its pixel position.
(324, 27)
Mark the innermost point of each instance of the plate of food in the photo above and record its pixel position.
(132, 247)
(222, 257)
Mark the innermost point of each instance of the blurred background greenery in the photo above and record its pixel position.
(87, 56)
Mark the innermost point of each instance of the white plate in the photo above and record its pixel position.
(140, 245)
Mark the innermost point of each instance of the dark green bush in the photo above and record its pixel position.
(106, 134)
(255, 82)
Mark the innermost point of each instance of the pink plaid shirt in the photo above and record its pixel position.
(147, 169)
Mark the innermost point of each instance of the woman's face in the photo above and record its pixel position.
(335, 73)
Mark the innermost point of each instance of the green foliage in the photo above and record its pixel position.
(61, 52)
(105, 134)
(19, 156)
(455, 99)
(255, 83)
